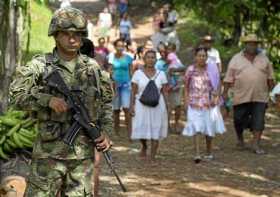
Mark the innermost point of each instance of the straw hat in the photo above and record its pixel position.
(149, 44)
(208, 38)
(250, 38)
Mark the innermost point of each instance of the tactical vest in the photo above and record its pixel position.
(85, 83)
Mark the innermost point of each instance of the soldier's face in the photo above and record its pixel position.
(68, 41)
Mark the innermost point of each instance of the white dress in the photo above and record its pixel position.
(149, 122)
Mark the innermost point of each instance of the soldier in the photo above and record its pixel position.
(57, 169)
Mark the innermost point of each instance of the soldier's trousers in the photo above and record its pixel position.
(60, 178)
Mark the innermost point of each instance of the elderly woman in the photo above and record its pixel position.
(149, 123)
(202, 102)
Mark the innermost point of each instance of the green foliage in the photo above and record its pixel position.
(231, 19)
(41, 1)
(39, 42)
(44, 1)
(191, 29)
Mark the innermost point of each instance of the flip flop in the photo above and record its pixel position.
(197, 159)
(241, 146)
(209, 157)
(259, 152)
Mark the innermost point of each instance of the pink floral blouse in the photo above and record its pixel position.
(199, 88)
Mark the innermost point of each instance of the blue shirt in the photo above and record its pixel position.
(121, 67)
(161, 65)
(125, 26)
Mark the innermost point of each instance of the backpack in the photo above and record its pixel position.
(150, 96)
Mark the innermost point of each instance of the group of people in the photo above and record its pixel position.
(109, 17)
(132, 70)
(116, 6)
(204, 93)
(164, 24)
(146, 82)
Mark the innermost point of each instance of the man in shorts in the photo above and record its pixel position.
(250, 73)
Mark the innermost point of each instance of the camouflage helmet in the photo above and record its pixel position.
(68, 19)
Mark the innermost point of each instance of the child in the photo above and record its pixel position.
(125, 27)
(102, 52)
(174, 64)
(228, 104)
(175, 68)
(138, 62)
(202, 102)
(101, 48)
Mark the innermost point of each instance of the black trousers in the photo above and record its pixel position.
(249, 116)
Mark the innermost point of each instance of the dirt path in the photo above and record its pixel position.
(141, 18)
(232, 173)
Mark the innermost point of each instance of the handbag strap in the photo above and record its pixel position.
(156, 75)
(153, 77)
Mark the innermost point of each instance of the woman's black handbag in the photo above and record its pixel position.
(150, 96)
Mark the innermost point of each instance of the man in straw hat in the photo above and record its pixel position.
(250, 73)
(213, 54)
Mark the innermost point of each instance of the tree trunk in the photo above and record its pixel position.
(237, 26)
(14, 15)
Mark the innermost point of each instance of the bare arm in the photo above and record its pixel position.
(227, 85)
(186, 98)
(229, 77)
(164, 92)
(220, 67)
(133, 98)
(270, 80)
(178, 70)
(271, 84)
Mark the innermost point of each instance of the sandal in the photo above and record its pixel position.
(209, 157)
(197, 159)
(241, 146)
(259, 151)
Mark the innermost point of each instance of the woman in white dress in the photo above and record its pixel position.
(148, 123)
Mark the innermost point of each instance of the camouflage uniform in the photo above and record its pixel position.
(57, 167)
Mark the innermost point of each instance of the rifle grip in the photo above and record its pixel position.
(71, 133)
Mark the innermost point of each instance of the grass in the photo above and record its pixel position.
(39, 40)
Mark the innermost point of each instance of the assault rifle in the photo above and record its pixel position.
(81, 118)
